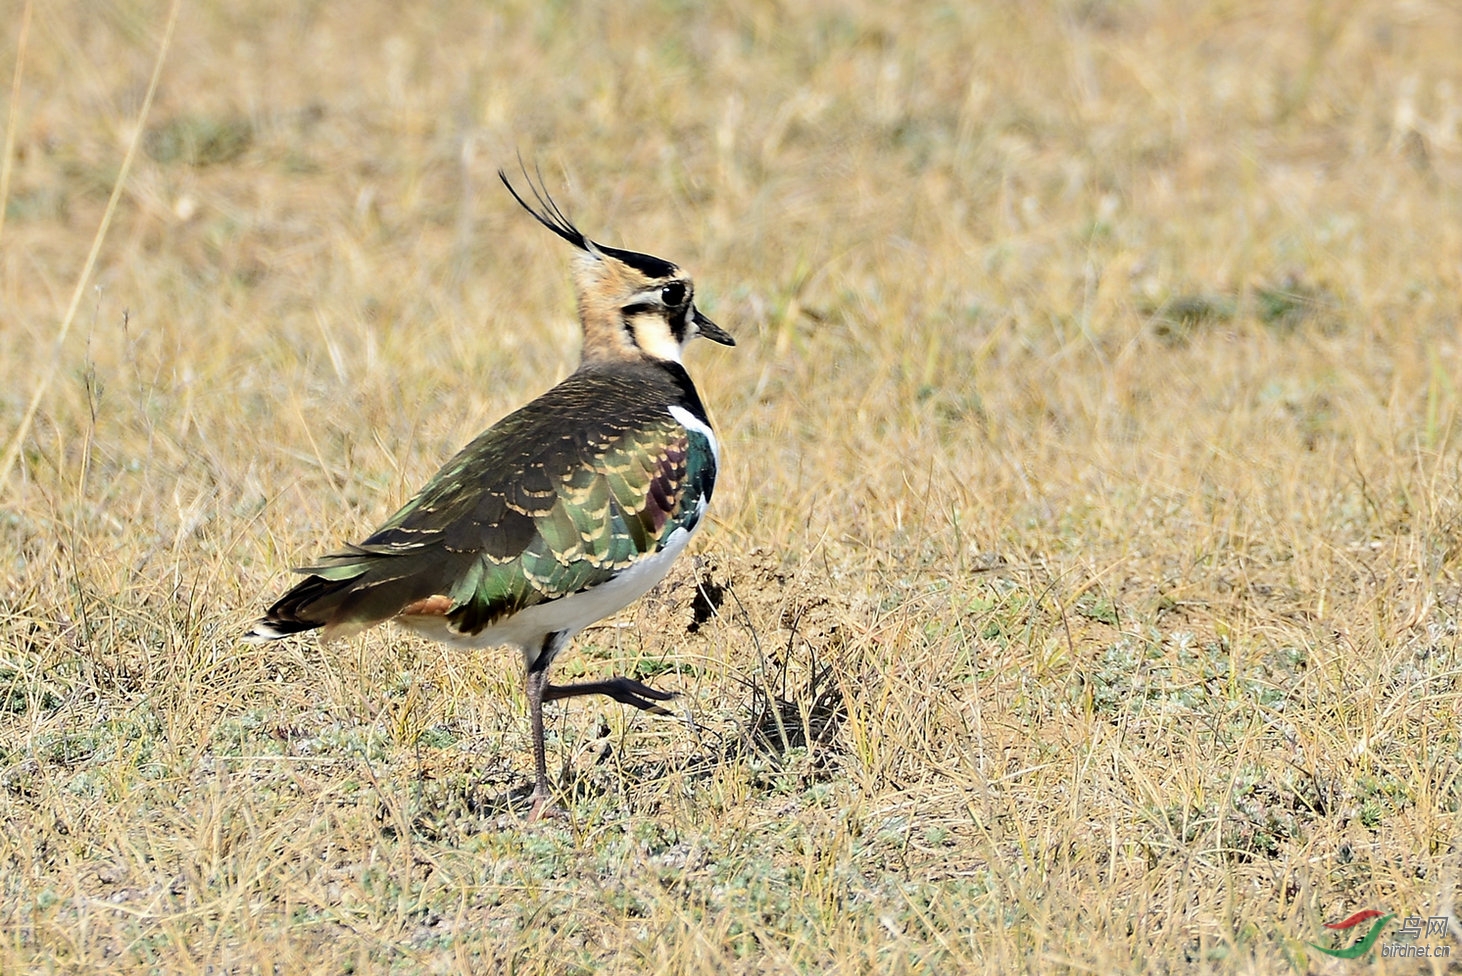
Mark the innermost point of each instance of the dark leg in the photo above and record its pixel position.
(537, 681)
(537, 686)
(626, 691)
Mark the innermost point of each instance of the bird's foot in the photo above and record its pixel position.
(626, 691)
(543, 808)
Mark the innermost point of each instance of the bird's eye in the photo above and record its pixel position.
(673, 294)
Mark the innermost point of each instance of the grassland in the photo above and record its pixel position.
(1084, 582)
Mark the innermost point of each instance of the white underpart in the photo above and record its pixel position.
(527, 628)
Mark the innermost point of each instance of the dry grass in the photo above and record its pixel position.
(1088, 563)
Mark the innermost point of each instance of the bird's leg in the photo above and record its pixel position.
(626, 691)
(537, 686)
(537, 681)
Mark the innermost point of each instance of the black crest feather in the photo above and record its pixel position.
(550, 215)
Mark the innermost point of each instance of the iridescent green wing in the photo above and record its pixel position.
(617, 493)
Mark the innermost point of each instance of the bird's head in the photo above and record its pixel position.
(632, 305)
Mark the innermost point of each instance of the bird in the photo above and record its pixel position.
(560, 514)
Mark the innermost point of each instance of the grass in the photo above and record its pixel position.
(1083, 587)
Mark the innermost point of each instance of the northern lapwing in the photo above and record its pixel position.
(558, 515)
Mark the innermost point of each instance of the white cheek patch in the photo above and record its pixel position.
(653, 336)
